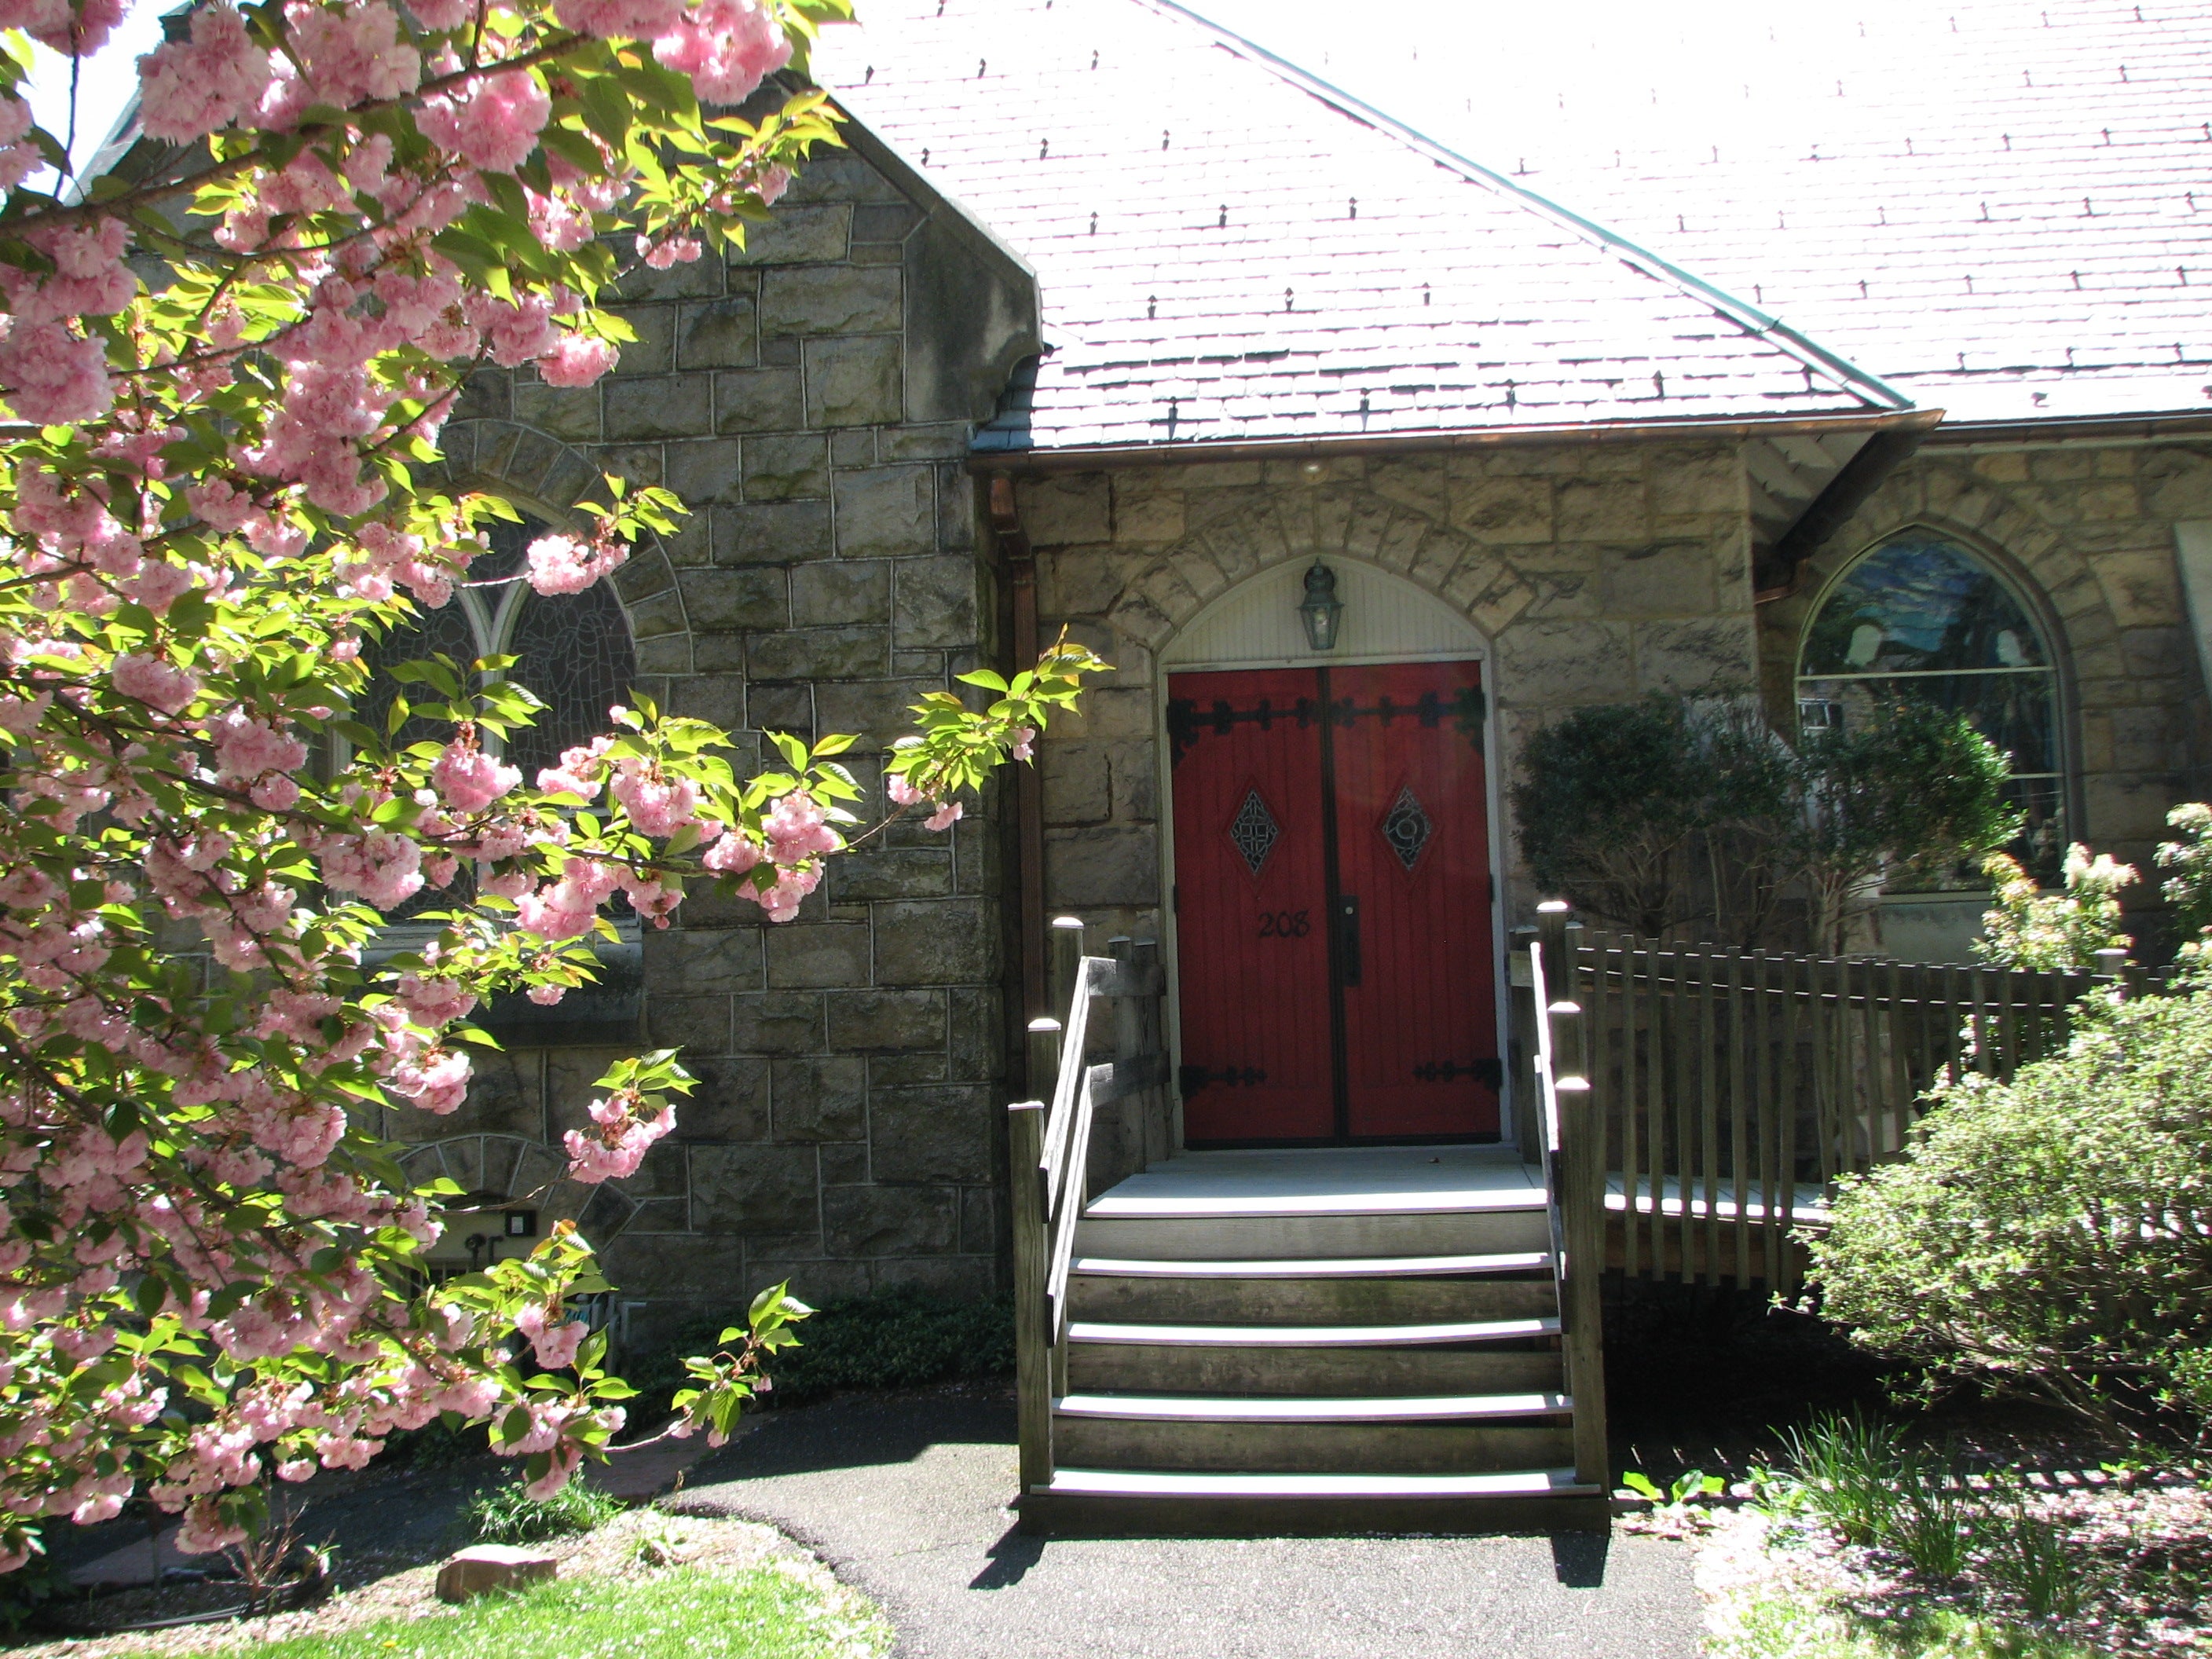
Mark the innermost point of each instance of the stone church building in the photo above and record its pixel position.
(1109, 321)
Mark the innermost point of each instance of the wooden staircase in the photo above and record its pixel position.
(1359, 1340)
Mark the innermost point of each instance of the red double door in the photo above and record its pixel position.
(1332, 905)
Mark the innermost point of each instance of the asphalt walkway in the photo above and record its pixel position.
(906, 1499)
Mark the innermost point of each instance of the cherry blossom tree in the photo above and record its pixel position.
(224, 374)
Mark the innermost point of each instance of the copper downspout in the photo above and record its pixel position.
(1029, 789)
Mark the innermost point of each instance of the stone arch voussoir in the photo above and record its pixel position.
(1259, 534)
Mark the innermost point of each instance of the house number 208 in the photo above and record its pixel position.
(1284, 923)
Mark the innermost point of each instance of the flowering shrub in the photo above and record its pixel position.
(2029, 928)
(220, 378)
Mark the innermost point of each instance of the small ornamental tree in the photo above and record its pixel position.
(223, 379)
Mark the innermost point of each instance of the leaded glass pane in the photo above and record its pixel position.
(574, 650)
(509, 543)
(1918, 605)
(1920, 619)
(446, 632)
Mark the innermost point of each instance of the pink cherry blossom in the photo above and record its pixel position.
(561, 564)
(555, 1344)
(154, 681)
(469, 779)
(188, 89)
(945, 817)
(578, 360)
(727, 47)
(657, 806)
(354, 53)
(493, 124)
(626, 20)
(19, 156)
(733, 854)
(53, 377)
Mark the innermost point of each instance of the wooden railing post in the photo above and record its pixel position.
(1066, 956)
(1032, 1339)
(1159, 1137)
(1580, 1187)
(2112, 965)
(1044, 1052)
(1582, 1318)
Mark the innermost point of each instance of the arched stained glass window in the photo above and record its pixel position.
(574, 650)
(1920, 617)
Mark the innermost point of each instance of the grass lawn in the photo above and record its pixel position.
(1777, 1624)
(761, 1611)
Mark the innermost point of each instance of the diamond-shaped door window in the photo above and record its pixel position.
(1255, 831)
(1407, 828)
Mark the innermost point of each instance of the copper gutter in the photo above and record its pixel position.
(1091, 458)
(2089, 428)
(1014, 543)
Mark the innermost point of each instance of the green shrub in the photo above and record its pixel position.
(1608, 801)
(2051, 1236)
(1664, 814)
(898, 1338)
(507, 1514)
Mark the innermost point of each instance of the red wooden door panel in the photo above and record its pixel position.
(1412, 812)
(1251, 907)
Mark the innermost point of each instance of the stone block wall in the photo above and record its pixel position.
(1598, 572)
(815, 421)
(2090, 529)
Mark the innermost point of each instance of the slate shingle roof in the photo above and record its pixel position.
(1227, 254)
(2002, 207)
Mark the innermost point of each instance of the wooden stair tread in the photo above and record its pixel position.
(1218, 1408)
(1310, 1336)
(1393, 1267)
(1116, 1206)
(1144, 1483)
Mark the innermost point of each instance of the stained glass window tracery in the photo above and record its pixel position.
(1921, 617)
(574, 650)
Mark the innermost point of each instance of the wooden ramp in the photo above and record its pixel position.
(1359, 1339)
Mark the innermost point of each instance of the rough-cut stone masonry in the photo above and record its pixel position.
(810, 400)
(1597, 572)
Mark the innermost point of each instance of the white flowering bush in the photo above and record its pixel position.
(223, 379)
(2027, 928)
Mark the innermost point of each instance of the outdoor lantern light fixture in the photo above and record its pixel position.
(1321, 610)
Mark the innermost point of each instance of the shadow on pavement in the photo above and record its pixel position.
(859, 1430)
(1012, 1557)
(1579, 1558)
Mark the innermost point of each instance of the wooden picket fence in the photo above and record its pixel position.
(1734, 1087)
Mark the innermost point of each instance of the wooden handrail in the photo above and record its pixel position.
(1050, 1153)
